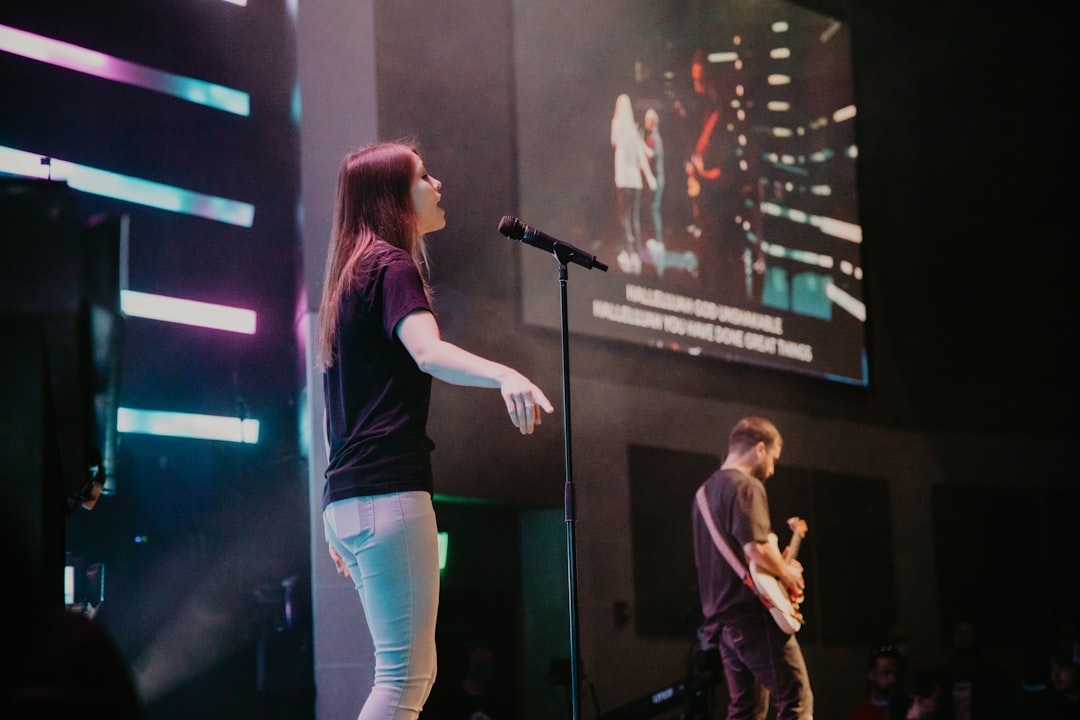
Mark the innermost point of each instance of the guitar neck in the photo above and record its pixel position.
(796, 540)
(793, 546)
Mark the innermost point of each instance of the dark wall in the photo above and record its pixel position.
(956, 123)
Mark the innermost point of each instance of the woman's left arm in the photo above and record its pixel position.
(419, 333)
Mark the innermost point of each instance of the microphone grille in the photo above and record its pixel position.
(511, 227)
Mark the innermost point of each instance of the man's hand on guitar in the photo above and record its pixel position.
(798, 529)
(778, 576)
(793, 583)
(793, 580)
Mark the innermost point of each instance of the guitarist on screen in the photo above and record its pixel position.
(761, 656)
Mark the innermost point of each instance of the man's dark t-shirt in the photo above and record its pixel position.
(740, 509)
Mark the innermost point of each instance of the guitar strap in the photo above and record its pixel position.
(706, 131)
(725, 549)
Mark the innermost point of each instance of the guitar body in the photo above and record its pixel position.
(782, 606)
(785, 613)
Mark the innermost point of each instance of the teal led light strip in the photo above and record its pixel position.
(91, 62)
(187, 425)
(187, 312)
(124, 187)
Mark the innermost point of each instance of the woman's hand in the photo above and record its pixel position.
(524, 401)
(338, 562)
(419, 333)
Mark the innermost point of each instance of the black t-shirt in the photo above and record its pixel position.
(740, 510)
(376, 397)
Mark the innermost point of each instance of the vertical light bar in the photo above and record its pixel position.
(444, 548)
(69, 584)
(91, 62)
(187, 312)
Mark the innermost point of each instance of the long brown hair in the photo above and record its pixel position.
(374, 202)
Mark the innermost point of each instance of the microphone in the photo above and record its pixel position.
(514, 229)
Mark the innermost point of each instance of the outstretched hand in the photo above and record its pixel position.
(524, 402)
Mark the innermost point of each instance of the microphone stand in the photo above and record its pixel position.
(513, 228)
(564, 254)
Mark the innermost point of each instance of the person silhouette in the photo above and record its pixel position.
(632, 171)
(883, 676)
(731, 510)
(975, 685)
(475, 692)
(714, 184)
(379, 348)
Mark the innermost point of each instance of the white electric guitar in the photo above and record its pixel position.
(782, 603)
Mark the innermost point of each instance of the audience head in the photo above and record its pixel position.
(884, 668)
(1065, 668)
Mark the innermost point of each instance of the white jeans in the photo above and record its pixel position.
(390, 545)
